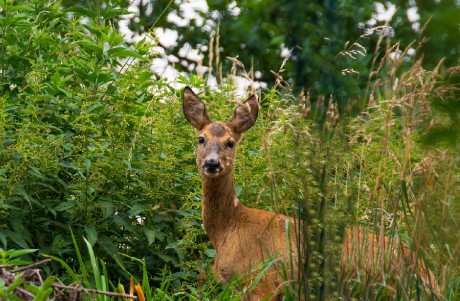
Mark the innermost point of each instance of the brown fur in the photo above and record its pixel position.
(244, 238)
(369, 254)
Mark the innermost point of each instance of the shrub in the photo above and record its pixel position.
(87, 142)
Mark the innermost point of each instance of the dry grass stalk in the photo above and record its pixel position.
(210, 54)
(217, 53)
(235, 62)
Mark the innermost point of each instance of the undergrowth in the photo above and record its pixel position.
(97, 167)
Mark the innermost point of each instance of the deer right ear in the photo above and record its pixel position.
(194, 109)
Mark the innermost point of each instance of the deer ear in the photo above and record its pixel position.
(245, 115)
(194, 109)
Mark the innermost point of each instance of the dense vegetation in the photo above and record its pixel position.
(97, 167)
(260, 32)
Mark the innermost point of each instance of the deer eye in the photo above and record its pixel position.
(200, 140)
(231, 144)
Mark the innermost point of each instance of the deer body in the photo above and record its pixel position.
(244, 238)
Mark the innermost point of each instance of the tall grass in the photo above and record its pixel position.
(335, 169)
(394, 185)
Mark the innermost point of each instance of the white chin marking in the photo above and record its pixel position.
(213, 173)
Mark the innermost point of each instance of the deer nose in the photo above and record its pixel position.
(212, 165)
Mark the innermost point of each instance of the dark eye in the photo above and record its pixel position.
(200, 140)
(230, 144)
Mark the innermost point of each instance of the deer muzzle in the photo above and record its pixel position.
(212, 166)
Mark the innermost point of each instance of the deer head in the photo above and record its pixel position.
(217, 140)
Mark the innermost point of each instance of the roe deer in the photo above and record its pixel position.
(245, 237)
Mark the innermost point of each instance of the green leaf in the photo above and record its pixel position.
(69, 270)
(21, 191)
(15, 284)
(19, 262)
(123, 52)
(35, 172)
(93, 107)
(43, 294)
(211, 253)
(64, 206)
(136, 209)
(94, 265)
(17, 238)
(16, 253)
(442, 135)
(166, 258)
(238, 189)
(45, 290)
(87, 165)
(81, 11)
(79, 257)
(91, 233)
(114, 12)
(24, 8)
(32, 288)
(3, 239)
(151, 235)
(176, 244)
(91, 46)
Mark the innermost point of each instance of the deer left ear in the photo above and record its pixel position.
(245, 115)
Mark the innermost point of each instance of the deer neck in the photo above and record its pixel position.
(220, 207)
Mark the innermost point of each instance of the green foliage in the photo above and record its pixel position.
(446, 126)
(43, 292)
(7, 292)
(86, 142)
(11, 257)
(442, 30)
(315, 33)
(11, 281)
(91, 145)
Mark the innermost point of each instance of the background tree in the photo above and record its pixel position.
(313, 33)
(441, 35)
(261, 33)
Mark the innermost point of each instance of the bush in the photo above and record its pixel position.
(87, 142)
